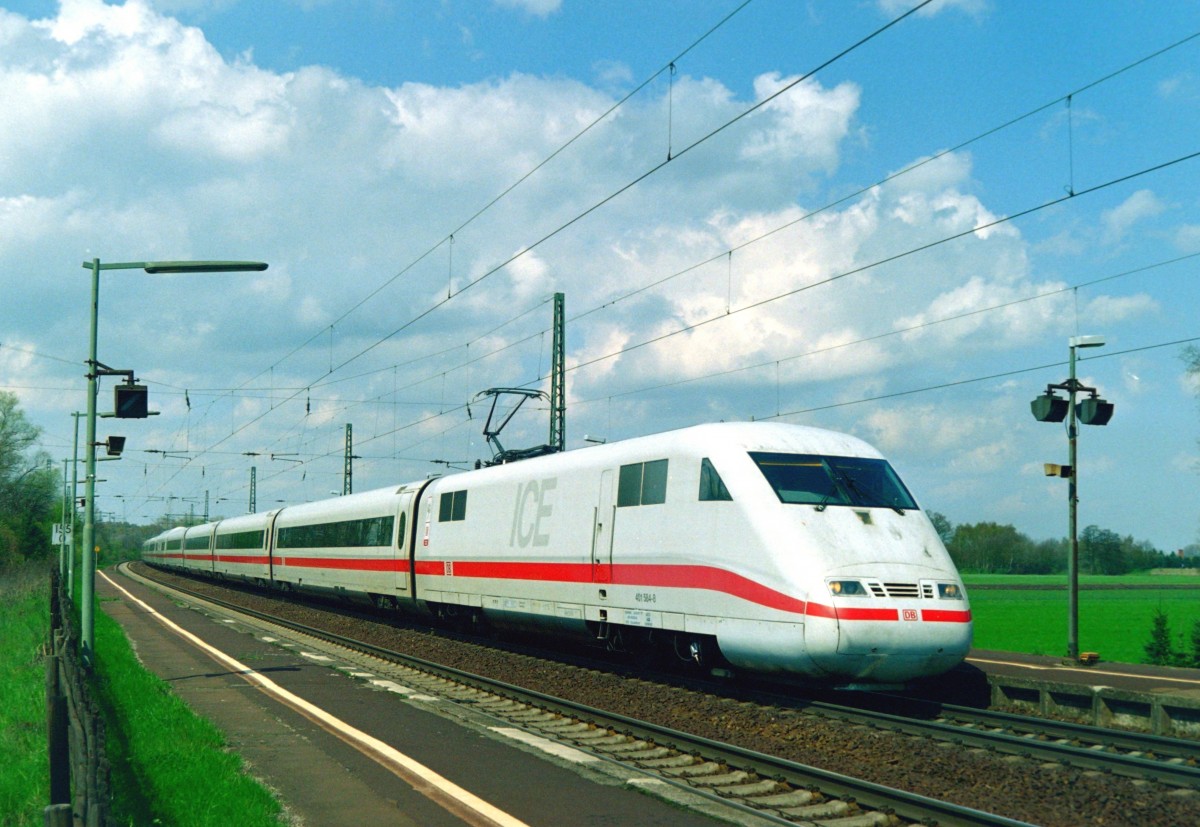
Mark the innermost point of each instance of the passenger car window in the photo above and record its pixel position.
(452, 507)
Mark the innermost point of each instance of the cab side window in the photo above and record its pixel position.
(712, 487)
(642, 483)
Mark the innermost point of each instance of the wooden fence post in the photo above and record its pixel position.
(57, 727)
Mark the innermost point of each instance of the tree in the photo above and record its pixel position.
(122, 541)
(990, 547)
(1048, 557)
(1158, 649)
(1100, 551)
(29, 486)
(17, 435)
(943, 527)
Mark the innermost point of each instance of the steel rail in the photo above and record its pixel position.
(1181, 748)
(1084, 757)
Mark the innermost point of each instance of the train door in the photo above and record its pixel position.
(602, 531)
(269, 545)
(404, 543)
(412, 538)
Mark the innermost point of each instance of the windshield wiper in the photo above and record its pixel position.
(848, 481)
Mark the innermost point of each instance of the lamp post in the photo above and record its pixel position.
(1093, 411)
(95, 371)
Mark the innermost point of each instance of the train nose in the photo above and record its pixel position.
(893, 644)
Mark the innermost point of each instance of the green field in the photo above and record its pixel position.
(1115, 620)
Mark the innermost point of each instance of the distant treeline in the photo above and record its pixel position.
(992, 548)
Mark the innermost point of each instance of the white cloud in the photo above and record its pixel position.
(973, 8)
(807, 122)
(1187, 238)
(1104, 310)
(537, 8)
(1118, 222)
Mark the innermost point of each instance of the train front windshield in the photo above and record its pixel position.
(809, 479)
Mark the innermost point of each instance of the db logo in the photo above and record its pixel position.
(910, 614)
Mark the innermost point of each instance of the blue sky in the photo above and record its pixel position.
(862, 252)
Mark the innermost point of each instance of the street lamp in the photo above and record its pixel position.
(95, 371)
(1091, 411)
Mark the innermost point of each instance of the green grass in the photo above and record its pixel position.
(1084, 580)
(24, 627)
(1114, 622)
(169, 766)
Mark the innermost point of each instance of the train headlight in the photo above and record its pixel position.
(949, 591)
(846, 588)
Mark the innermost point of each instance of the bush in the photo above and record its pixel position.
(1158, 649)
(1195, 645)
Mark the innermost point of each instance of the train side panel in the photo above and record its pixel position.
(167, 548)
(241, 547)
(197, 549)
(346, 546)
(512, 541)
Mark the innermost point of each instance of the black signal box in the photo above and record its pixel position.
(130, 401)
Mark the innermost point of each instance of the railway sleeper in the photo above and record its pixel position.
(726, 779)
(750, 790)
(791, 798)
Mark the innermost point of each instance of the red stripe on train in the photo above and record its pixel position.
(346, 563)
(945, 616)
(708, 578)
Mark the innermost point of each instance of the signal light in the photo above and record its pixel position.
(130, 401)
(1094, 411)
(114, 445)
(1049, 408)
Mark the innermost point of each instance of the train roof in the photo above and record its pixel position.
(757, 436)
(168, 534)
(712, 439)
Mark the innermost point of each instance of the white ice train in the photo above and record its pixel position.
(754, 546)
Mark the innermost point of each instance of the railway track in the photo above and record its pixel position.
(763, 788)
(1143, 757)
(775, 788)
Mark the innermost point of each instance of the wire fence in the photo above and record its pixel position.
(79, 768)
